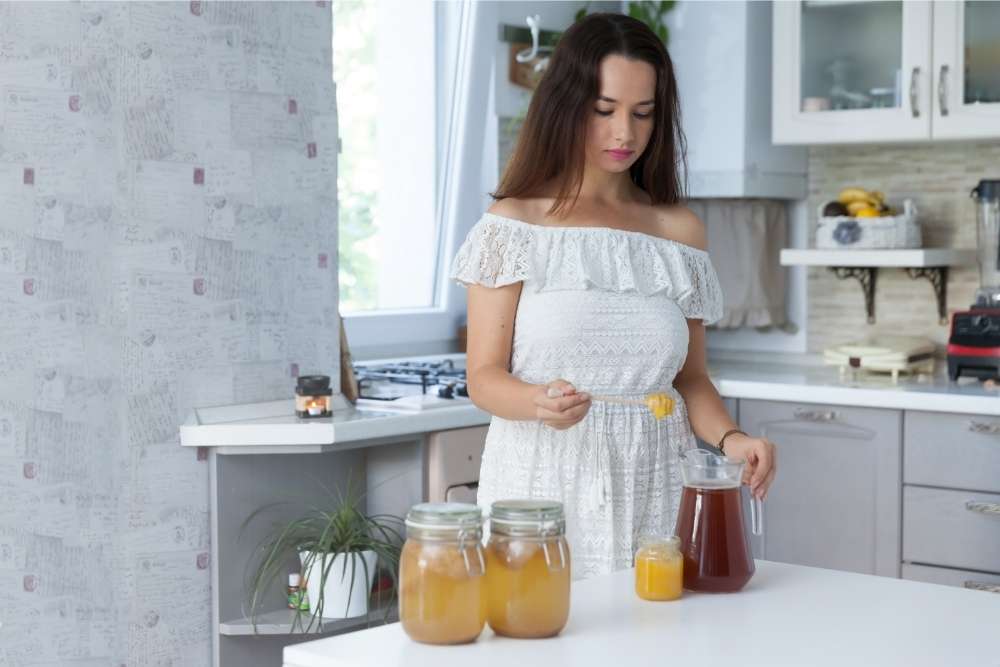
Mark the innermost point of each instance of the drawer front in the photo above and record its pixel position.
(949, 577)
(959, 529)
(960, 451)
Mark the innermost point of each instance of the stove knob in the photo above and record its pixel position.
(462, 389)
(446, 391)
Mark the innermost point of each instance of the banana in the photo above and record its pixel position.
(847, 195)
(855, 206)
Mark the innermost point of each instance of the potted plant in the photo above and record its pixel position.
(339, 549)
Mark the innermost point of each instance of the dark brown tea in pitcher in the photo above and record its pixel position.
(714, 544)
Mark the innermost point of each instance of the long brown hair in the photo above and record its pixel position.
(551, 144)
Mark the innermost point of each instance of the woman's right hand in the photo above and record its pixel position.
(558, 405)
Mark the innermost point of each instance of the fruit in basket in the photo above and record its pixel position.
(850, 196)
(834, 209)
(855, 206)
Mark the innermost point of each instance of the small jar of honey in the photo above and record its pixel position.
(442, 587)
(528, 568)
(659, 568)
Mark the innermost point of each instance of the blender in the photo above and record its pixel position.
(974, 342)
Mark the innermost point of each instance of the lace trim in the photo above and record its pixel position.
(501, 251)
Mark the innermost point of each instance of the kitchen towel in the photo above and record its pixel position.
(745, 237)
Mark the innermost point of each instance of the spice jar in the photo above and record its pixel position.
(659, 568)
(442, 587)
(312, 396)
(528, 568)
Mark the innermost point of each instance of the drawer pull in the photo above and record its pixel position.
(815, 415)
(983, 427)
(982, 586)
(983, 508)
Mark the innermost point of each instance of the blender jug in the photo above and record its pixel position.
(987, 196)
(714, 544)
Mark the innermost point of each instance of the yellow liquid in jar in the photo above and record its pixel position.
(659, 574)
(526, 598)
(440, 602)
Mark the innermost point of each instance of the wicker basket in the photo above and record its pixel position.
(895, 231)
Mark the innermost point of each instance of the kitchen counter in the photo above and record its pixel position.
(787, 615)
(272, 426)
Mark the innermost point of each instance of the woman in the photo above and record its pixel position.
(587, 276)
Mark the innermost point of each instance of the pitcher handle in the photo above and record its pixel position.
(757, 516)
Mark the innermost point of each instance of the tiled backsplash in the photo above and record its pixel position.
(938, 177)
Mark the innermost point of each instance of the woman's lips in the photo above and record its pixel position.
(620, 154)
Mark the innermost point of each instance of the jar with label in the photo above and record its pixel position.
(442, 583)
(528, 568)
(659, 568)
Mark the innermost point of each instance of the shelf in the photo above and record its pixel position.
(280, 622)
(919, 257)
(863, 265)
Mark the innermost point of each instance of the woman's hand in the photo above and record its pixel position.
(557, 404)
(761, 459)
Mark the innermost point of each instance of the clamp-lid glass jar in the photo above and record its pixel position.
(528, 568)
(442, 587)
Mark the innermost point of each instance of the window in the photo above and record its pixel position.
(384, 64)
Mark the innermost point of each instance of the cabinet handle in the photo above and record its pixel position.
(981, 586)
(914, 97)
(983, 508)
(943, 90)
(983, 427)
(815, 415)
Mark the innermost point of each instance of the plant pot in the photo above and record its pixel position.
(339, 587)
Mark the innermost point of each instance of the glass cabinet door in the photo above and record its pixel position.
(851, 55)
(851, 71)
(967, 69)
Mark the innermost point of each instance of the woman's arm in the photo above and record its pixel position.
(710, 420)
(491, 385)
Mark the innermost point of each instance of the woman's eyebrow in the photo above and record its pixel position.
(610, 99)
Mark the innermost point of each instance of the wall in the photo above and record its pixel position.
(938, 176)
(167, 239)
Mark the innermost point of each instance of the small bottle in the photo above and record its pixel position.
(298, 598)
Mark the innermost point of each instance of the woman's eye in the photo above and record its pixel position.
(603, 113)
(608, 113)
(642, 115)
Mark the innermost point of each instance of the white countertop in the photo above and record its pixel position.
(787, 615)
(262, 428)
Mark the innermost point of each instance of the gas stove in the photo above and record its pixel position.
(421, 383)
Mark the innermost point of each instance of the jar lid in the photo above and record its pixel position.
(456, 516)
(987, 189)
(528, 516)
(667, 542)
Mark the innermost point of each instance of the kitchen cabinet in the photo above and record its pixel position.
(855, 72)
(951, 499)
(726, 109)
(836, 500)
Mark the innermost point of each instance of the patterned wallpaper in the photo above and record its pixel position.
(938, 177)
(167, 239)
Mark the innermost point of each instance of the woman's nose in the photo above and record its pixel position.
(623, 129)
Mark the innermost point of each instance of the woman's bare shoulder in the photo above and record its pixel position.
(679, 223)
(525, 210)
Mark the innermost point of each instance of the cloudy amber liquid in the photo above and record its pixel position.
(440, 602)
(527, 598)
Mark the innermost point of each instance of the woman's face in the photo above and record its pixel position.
(622, 117)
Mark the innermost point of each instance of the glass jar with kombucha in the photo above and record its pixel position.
(527, 568)
(442, 582)
(659, 568)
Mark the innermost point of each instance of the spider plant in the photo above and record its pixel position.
(319, 534)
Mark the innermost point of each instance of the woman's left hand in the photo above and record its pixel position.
(761, 458)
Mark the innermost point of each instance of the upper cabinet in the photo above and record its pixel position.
(722, 59)
(847, 71)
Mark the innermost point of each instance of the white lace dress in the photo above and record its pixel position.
(606, 310)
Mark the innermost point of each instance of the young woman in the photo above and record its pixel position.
(587, 276)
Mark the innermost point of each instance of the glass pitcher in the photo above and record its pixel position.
(714, 544)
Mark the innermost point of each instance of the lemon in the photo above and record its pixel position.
(868, 213)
